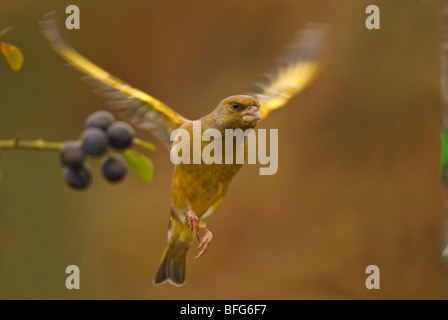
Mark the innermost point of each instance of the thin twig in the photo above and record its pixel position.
(37, 144)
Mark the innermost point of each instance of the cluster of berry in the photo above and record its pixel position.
(101, 132)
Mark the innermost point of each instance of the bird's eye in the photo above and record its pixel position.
(235, 105)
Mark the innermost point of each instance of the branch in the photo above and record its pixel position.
(37, 144)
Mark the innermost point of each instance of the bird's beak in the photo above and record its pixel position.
(251, 114)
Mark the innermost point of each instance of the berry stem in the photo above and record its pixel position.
(144, 144)
(37, 144)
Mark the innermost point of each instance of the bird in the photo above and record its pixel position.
(197, 190)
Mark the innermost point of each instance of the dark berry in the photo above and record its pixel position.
(100, 119)
(94, 141)
(77, 178)
(71, 154)
(114, 168)
(120, 135)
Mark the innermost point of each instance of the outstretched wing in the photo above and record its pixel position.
(295, 71)
(139, 107)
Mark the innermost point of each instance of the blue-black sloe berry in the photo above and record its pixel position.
(71, 154)
(120, 135)
(114, 168)
(78, 178)
(94, 141)
(100, 119)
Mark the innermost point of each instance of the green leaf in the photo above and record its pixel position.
(444, 156)
(144, 144)
(140, 165)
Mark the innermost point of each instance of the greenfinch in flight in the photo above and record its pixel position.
(197, 190)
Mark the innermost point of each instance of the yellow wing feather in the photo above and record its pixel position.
(140, 108)
(295, 71)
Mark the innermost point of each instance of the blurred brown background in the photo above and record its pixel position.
(359, 151)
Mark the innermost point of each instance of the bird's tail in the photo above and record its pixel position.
(172, 266)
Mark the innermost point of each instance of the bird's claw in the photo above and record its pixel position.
(205, 243)
(193, 222)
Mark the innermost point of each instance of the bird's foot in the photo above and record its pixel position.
(193, 222)
(205, 242)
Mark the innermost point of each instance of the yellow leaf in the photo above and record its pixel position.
(13, 55)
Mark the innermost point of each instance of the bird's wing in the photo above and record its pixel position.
(139, 107)
(299, 66)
